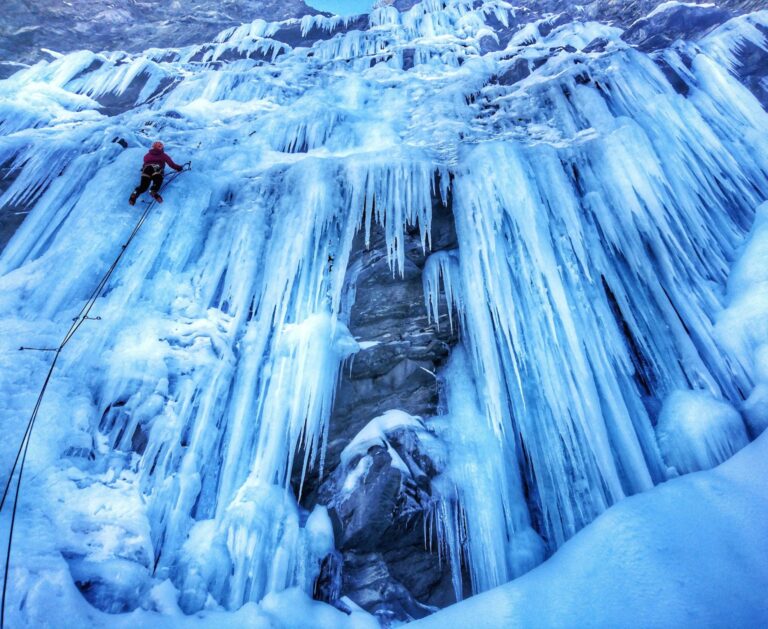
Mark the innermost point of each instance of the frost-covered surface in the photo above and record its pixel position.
(598, 210)
(671, 4)
(697, 432)
(30, 30)
(690, 553)
(743, 325)
(51, 599)
(726, 42)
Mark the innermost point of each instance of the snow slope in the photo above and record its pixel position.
(689, 553)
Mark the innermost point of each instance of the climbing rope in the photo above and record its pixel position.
(77, 322)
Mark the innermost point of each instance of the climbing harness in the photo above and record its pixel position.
(82, 317)
(156, 169)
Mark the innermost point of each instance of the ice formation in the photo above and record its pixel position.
(441, 277)
(481, 515)
(598, 210)
(697, 432)
(742, 325)
(694, 547)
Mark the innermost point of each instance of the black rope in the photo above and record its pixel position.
(78, 321)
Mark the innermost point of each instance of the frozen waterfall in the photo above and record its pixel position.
(598, 211)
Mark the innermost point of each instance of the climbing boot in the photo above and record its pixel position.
(156, 196)
(132, 200)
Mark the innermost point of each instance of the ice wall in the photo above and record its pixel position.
(742, 325)
(598, 210)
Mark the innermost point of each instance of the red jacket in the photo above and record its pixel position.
(160, 157)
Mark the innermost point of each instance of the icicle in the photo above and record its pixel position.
(442, 267)
(483, 517)
(597, 212)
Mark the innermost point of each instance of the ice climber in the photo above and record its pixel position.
(152, 172)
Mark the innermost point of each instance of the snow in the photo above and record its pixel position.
(51, 600)
(742, 325)
(597, 210)
(690, 552)
(674, 4)
(358, 473)
(530, 42)
(727, 40)
(374, 433)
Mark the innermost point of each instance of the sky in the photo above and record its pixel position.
(342, 7)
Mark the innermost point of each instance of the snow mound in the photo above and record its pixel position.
(689, 553)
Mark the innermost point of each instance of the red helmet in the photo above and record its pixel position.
(158, 145)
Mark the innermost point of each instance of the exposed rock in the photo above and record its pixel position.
(516, 72)
(131, 25)
(368, 582)
(752, 68)
(674, 78)
(682, 21)
(327, 586)
(379, 501)
(113, 103)
(596, 45)
(379, 513)
(11, 215)
(379, 493)
(388, 310)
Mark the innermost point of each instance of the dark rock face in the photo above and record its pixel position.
(131, 25)
(389, 310)
(378, 508)
(663, 28)
(622, 13)
(113, 104)
(370, 582)
(516, 72)
(681, 87)
(328, 585)
(11, 216)
(752, 68)
(380, 497)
